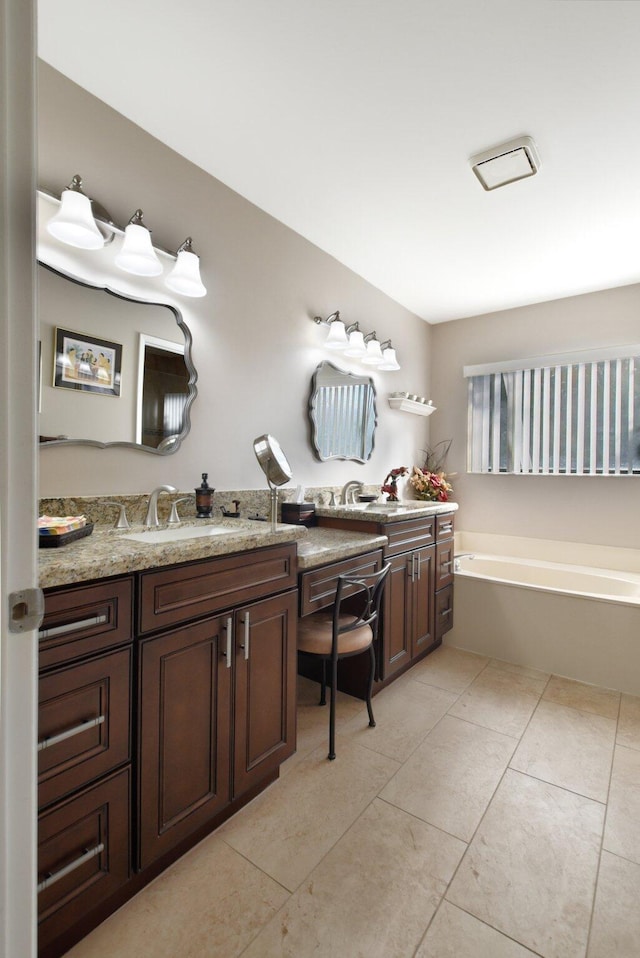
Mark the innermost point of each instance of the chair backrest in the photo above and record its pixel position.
(367, 590)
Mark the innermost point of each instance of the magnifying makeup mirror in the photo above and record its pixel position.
(276, 468)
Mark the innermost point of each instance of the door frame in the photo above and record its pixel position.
(18, 477)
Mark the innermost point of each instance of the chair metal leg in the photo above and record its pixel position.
(372, 668)
(332, 710)
(323, 687)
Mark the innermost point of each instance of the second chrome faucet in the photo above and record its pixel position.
(152, 509)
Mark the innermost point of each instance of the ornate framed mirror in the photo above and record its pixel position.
(342, 412)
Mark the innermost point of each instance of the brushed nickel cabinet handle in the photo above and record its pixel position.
(70, 732)
(56, 876)
(229, 630)
(49, 633)
(247, 628)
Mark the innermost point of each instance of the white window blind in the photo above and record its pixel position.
(565, 418)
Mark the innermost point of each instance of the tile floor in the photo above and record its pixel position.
(494, 812)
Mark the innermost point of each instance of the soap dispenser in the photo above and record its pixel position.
(204, 499)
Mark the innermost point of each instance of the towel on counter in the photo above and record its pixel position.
(57, 525)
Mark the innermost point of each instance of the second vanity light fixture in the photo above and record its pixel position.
(75, 224)
(351, 341)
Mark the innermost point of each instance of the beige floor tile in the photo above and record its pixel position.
(578, 695)
(450, 779)
(541, 677)
(500, 700)
(289, 828)
(313, 720)
(455, 934)
(449, 668)
(530, 870)
(568, 748)
(615, 931)
(622, 833)
(372, 896)
(210, 904)
(404, 715)
(629, 722)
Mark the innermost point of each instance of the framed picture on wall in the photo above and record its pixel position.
(86, 364)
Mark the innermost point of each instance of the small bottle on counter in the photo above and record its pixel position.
(204, 499)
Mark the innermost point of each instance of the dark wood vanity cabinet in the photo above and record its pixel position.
(159, 717)
(417, 605)
(84, 753)
(217, 716)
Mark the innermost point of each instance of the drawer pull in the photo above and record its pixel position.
(446, 565)
(70, 732)
(418, 567)
(446, 528)
(51, 879)
(445, 612)
(247, 628)
(49, 633)
(229, 630)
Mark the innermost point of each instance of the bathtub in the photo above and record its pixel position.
(563, 617)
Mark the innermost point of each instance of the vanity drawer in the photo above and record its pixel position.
(409, 534)
(444, 563)
(444, 611)
(444, 527)
(84, 723)
(184, 593)
(318, 586)
(83, 855)
(85, 619)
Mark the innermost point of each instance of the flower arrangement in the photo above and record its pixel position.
(432, 486)
(390, 485)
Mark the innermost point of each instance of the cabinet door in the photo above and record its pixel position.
(396, 617)
(444, 564)
(185, 695)
(83, 855)
(265, 693)
(422, 626)
(83, 722)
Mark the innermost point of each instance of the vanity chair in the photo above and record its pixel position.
(350, 628)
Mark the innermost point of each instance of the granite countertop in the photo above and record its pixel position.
(383, 512)
(107, 552)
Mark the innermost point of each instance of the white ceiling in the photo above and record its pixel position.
(352, 122)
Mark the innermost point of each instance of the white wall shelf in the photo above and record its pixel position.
(410, 405)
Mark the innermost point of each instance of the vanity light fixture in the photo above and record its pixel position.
(137, 255)
(74, 224)
(337, 337)
(374, 353)
(82, 222)
(185, 276)
(389, 361)
(356, 347)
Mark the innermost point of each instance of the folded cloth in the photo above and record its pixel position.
(57, 525)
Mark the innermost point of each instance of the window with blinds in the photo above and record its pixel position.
(569, 418)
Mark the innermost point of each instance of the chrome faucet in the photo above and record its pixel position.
(152, 509)
(349, 491)
(461, 555)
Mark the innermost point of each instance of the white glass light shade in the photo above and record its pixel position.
(337, 338)
(74, 224)
(389, 361)
(185, 276)
(356, 348)
(137, 255)
(374, 353)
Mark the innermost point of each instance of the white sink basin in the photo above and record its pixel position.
(154, 536)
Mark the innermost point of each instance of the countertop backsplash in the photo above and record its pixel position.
(252, 502)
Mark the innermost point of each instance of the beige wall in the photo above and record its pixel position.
(255, 347)
(579, 509)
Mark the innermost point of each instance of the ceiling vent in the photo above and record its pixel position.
(515, 160)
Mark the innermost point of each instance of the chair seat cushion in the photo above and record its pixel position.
(315, 634)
